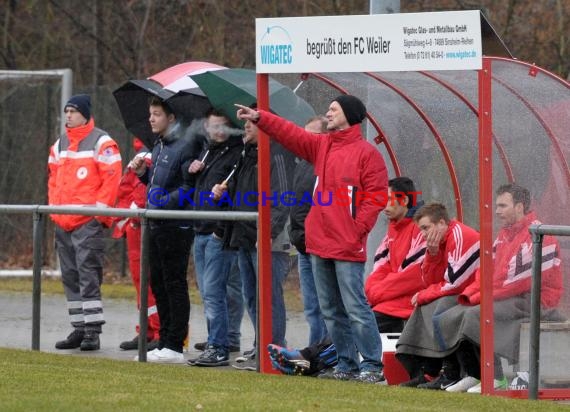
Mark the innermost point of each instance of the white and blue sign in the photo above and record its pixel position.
(379, 42)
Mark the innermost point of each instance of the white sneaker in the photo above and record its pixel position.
(497, 384)
(464, 384)
(166, 356)
(149, 355)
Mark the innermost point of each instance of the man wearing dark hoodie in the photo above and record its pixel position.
(349, 171)
(167, 180)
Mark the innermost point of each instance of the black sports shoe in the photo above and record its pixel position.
(376, 377)
(442, 382)
(90, 341)
(134, 344)
(213, 357)
(413, 383)
(202, 346)
(73, 341)
(130, 344)
(338, 375)
(192, 361)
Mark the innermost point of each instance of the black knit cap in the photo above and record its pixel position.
(353, 109)
(81, 103)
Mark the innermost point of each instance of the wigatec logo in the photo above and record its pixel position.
(276, 47)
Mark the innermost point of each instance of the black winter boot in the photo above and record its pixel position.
(90, 341)
(73, 341)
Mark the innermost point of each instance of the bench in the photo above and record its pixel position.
(394, 371)
(554, 344)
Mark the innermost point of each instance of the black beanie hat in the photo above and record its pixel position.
(353, 109)
(82, 103)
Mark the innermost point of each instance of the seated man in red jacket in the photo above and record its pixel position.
(389, 288)
(397, 268)
(458, 328)
(449, 266)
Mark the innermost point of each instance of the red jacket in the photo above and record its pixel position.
(349, 172)
(131, 195)
(397, 275)
(454, 267)
(84, 170)
(512, 258)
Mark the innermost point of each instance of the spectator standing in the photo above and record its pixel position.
(242, 235)
(84, 170)
(303, 184)
(170, 240)
(212, 261)
(349, 171)
(132, 195)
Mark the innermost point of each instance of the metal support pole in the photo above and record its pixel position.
(37, 279)
(264, 333)
(534, 349)
(486, 226)
(143, 308)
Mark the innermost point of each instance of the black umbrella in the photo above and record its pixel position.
(171, 85)
(133, 98)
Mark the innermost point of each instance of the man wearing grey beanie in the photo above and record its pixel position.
(349, 170)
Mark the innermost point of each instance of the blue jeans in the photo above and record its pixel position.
(199, 252)
(235, 303)
(311, 308)
(349, 319)
(247, 261)
(214, 264)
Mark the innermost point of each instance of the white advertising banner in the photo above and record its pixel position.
(380, 42)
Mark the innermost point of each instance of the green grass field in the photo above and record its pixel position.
(34, 381)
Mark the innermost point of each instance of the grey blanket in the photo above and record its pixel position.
(435, 330)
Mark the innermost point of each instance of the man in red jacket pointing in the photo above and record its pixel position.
(336, 232)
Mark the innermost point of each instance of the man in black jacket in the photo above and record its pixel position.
(212, 261)
(170, 240)
(242, 235)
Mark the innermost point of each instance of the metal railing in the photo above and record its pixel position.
(538, 232)
(38, 212)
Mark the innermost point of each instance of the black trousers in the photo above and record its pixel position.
(169, 251)
(389, 324)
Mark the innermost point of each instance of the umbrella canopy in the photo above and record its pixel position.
(226, 87)
(176, 78)
(171, 85)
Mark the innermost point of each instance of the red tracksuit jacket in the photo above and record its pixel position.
(397, 275)
(512, 258)
(454, 267)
